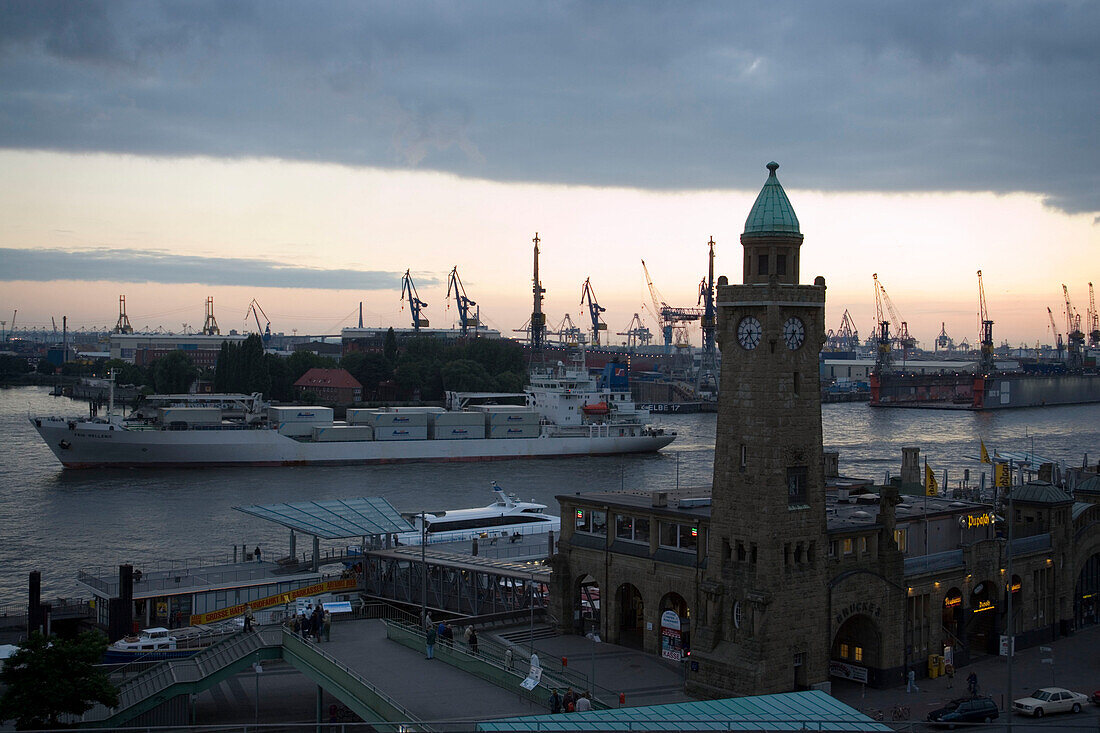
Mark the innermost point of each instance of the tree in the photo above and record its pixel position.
(49, 678)
(389, 347)
(466, 375)
(368, 368)
(221, 369)
(173, 373)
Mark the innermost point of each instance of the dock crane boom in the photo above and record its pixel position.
(466, 321)
(668, 316)
(415, 303)
(883, 355)
(1054, 330)
(255, 310)
(594, 310)
(985, 329)
(636, 333)
(1094, 320)
(1075, 338)
(901, 327)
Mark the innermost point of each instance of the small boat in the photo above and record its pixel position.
(151, 644)
(507, 518)
(597, 408)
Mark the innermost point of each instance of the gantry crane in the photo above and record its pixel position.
(123, 324)
(670, 318)
(1093, 320)
(568, 333)
(465, 319)
(594, 310)
(264, 331)
(636, 333)
(415, 303)
(985, 330)
(901, 328)
(943, 341)
(1057, 336)
(1075, 337)
(846, 338)
(210, 325)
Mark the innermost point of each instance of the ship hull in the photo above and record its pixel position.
(98, 446)
(996, 392)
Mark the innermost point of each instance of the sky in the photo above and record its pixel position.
(307, 156)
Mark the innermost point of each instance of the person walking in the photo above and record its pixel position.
(318, 616)
(583, 703)
(473, 641)
(912, 685)
(568, 701)
(555, 702)
(256, 553)
(248, 617)
(429, 641)
(327, 621)
(972, 684)
(448, 634)
(466, 634)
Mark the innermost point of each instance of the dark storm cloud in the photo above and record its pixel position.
(137, 266)
(998, 95)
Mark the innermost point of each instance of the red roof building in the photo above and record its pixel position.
(331, 386)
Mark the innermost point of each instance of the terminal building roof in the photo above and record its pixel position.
(335, 519)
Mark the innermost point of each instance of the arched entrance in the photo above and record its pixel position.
(951, 621)
(631, 616)
(586, 605)
(675, 616)
(857, 650)
(1086, 593)
(981, 636)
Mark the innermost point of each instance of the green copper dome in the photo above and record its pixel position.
(772, 213)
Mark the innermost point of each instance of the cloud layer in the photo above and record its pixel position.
(136, 266)
(994, 95)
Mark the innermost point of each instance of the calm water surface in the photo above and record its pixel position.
(59, 521)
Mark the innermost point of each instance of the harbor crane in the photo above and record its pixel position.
(671, 319)
(210, 325)
(901, 328)
(255, 310)
(1075, 337)
(884, 352)
(538, 318)
(594, 310)
(985, 330)
(706, 299)
(123, 324)
(943, 341)
(465, 319)
(568, 333)
(415, 303)
(1057, 336)
(846, 338)
(636, 333)
(1094, 320)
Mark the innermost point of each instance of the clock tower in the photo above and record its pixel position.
(764, 628)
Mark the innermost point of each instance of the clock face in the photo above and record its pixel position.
(748, 332)
(794, 333)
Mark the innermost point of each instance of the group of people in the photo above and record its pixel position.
(569, 702)
(313, 623)
(445, 634)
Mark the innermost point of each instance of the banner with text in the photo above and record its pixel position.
(278, 599)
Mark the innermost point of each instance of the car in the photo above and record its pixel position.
(1050, 700)
(964, 711)
(1096, 697)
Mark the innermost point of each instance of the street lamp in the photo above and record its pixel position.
(423, 570)
(257, 668)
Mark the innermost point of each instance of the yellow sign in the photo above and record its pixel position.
(275, 600)
(984, 606)
(978, 520)
(1002, 476)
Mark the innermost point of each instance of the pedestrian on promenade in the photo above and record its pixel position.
(972, 684)
(569, 699)
(583, 703)
(555, 702)
(328, 625)
(248, 617)
(448, 634)
(466, 634)
(508, 659)
(473, 640)
(428, 623)
(318, 622)
(256, 552)
(912, 686)
(949, 670)
(429, 641)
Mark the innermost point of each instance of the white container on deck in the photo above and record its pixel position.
(340, 433)
(190, 415)
(399, 432)
(280, 415)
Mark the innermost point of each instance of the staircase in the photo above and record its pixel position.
(179, 676)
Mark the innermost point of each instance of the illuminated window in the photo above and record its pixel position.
(857, 653)
(679, 536)
(848, 546)
(844, 651)
(862, 545)
(901, 539)
(633, 529)
(592, 521)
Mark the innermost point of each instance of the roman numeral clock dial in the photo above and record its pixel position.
(748, 333)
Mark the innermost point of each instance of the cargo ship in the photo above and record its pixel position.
(565, 412)
(995, 391)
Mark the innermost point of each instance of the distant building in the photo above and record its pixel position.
(143, 349)
(373, 339)
(332, 386)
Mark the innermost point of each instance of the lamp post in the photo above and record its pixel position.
(423, 570)
(1008, 607)
(257, 668)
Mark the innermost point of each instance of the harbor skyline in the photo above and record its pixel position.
(170, 153)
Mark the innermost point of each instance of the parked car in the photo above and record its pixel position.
(964, 711)
(1050, 700)
(1096, 697)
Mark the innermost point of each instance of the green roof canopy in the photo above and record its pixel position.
(772, 213)
(334, 519)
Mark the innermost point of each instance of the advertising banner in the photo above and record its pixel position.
(278, 599)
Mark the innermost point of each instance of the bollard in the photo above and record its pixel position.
(622, 699)
(565, 661)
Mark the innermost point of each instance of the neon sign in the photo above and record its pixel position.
(976, 520)
(952, 601)
(984, 606)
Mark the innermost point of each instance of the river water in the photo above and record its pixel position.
(59, 521)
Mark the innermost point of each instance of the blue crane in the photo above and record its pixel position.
(594, 310)
(415, 303)
(464, 318)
